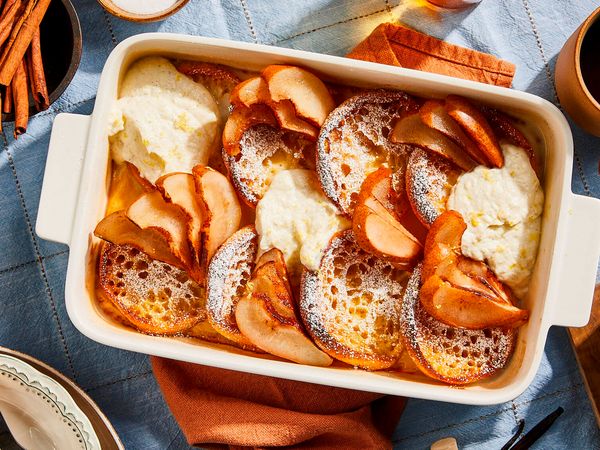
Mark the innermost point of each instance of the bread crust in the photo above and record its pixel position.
(449, 354)
(264, 151)
(228, 272)
(429, 181)
(351, 305)
(155, 297)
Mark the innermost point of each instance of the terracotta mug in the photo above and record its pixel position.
(577, 75)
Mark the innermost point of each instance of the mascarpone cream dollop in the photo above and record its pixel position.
(295, 217)
(163, 121)
(502, 209)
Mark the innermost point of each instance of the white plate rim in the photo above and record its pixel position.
(53, 390)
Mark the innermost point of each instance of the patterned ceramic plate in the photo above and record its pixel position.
(39, 411)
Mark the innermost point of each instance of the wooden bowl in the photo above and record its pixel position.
(133, 17)
(574, 95)
(61, 45)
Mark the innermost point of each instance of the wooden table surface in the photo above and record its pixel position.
(586, 342)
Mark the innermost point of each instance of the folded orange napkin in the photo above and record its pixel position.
(225, 409)
(400, 46)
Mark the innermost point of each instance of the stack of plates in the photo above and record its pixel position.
(45, 410)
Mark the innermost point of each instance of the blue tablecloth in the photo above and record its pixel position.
(33, 318)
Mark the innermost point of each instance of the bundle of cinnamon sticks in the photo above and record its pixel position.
(21, 67)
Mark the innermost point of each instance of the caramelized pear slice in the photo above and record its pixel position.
(241, 119)
(126, 186)
(411, 130)
(466, 308)
(309, 95)
(288, 120)
(376, 225)
(443, 241)
(153, 212)
(376, 234)
(179, 188)
(267, 317)
(251, 91)
(477, 127)
(459, 291)
(118, 229)
(256, 91)
(221, 208)
(434, 115)
(378, 186)
(504, 127)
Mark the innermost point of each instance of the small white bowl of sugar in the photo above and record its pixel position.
(142, 10)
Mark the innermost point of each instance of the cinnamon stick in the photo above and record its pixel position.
(15, 50)
(20, 99)
(24, 10)
(7, 102)
(8, 17)
(37, 78)
(6, 5)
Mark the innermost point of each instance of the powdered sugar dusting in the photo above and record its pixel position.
(265, 151)
(228, 272)
(154, 295)
(429, 182)
(454, 355)
(354, 142)
(351, 306)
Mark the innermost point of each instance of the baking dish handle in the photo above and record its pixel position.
(61, 177)
(579, 263)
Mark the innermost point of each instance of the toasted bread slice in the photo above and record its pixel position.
(155, 297)
(429, 181)
(354, 141)
(109, 309)
(449, 354)
(351, 305)
(265, 151)
(228, 273)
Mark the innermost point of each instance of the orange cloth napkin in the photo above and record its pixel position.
(399, 46)
(221, 406)
(225, 409)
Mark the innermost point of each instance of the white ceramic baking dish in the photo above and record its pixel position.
(74, 198)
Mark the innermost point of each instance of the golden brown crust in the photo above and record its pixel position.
(449, 354)
(264, 151)
(155, 297)
(228, 272)
(429, 181)
(351, 305)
